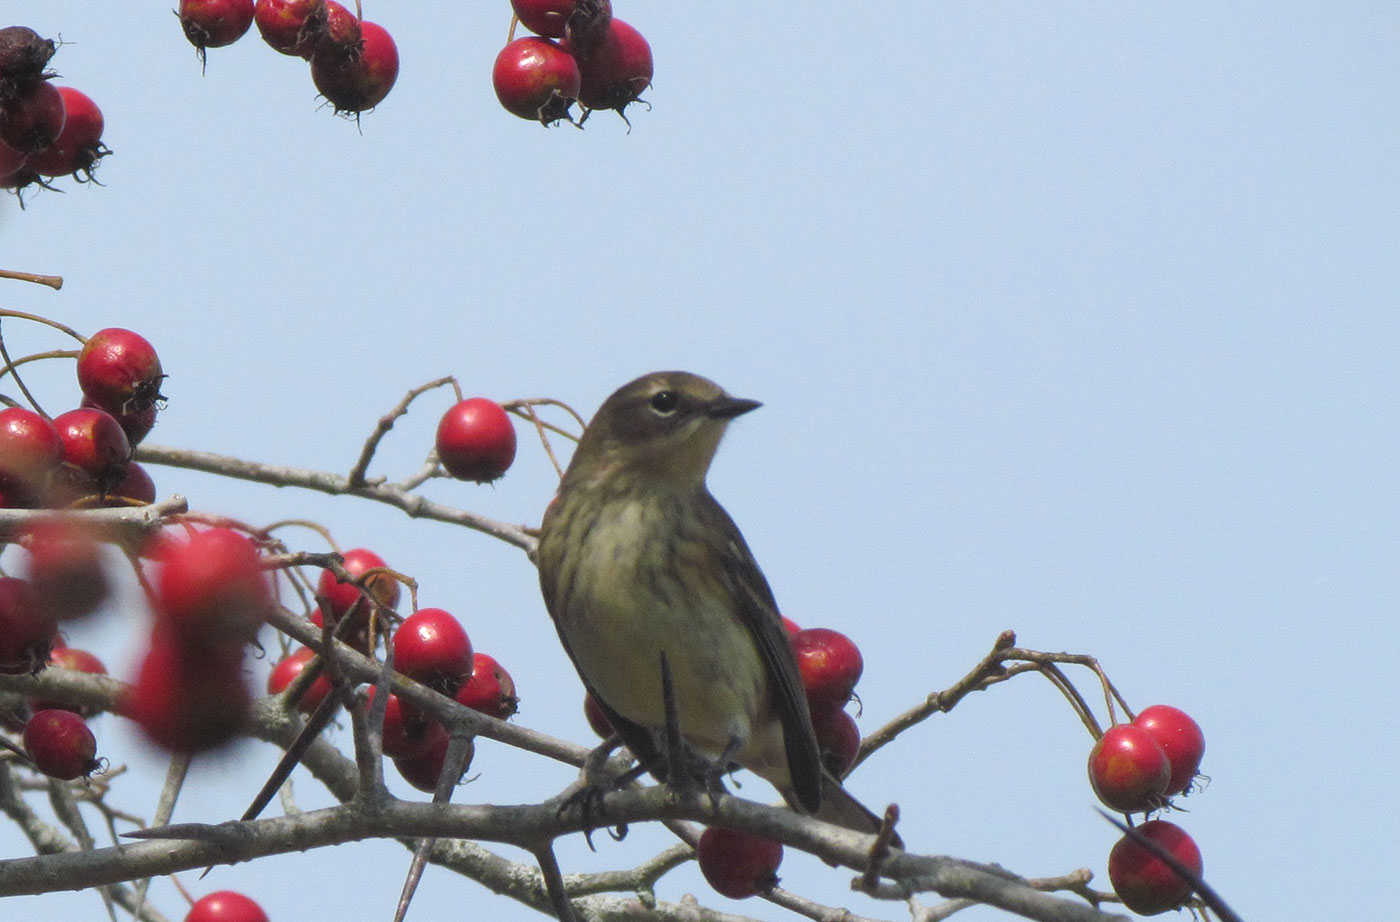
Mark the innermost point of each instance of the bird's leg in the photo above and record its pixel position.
(688, 770)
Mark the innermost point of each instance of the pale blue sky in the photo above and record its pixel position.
(1078, 320)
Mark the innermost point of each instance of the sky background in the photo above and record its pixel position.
(1075, 319)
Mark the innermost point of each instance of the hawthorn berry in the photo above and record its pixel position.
(536, 79)
(95, 447)
(475, 440)
(226, 906)
(292, 27)
(431, 647)
(14, 168)
(1145, 883)
(341, 36)
(1128, 769)
(558, 18)
(23, 56)
(32, 121)
(78, 147)
(830, 664)
(188, 699)
(119, 371)
(26, 636)
(423, 770)
(136, 487)
(211, 589)
(65, 567)
(1180, 738)
(353, 83)
(738, 864)
(615, 69)
(490, 689)
(135, 423)
(214, 23)
(60, 744)
(288, 669)
(838, 738)
(408, 732)
(597, 718)
(30, 451)
(341, 596)
(78, 661)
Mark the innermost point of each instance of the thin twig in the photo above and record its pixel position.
(53, 281)
(386, 422)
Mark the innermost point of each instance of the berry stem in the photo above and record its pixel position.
(386, 422)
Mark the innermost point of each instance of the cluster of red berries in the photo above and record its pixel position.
(739, 864)
(430, 646)
(83, 457)
(1134, 768)
(46, 131)
(354, 63)
(579, 53)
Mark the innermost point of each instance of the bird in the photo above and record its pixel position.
(658, 600)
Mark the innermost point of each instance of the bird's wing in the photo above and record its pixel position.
(758, 611)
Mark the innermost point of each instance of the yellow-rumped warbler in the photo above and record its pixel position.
(639, 562)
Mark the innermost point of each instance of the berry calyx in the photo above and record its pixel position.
(475, 440)
(292, 27)
(61, 745)
(738, 864)
(1128, 769)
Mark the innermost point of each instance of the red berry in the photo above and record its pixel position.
(136, 485)
(61, 745)
(292, 27)
(1180, 738)
(597, 719)
(65, 567)
(791, 626)
(830, 664)
(475, 440)
(14, 169)
(1128, 769)
(738, 864)
(838, 737)
(356, 82)
(26, 636)
(30, 451)
(408, 732)
(186, 699)
(211, 589)
(341, 596)
(615, 69)
(78, 146)
(490, 689)
(1145, 883)
(136, 423)
(422, 771)
(119, 371)
(558, 18)
(431, 647)
(94, 444)
(78, 661)
(215, 23)
(226, 906)
(286, 672)
(32, 121)
(536, 79)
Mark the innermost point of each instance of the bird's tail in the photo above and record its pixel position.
(840, 808)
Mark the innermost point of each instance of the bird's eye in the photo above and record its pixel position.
(664, 403)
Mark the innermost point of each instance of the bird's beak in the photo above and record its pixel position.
(727, 407)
